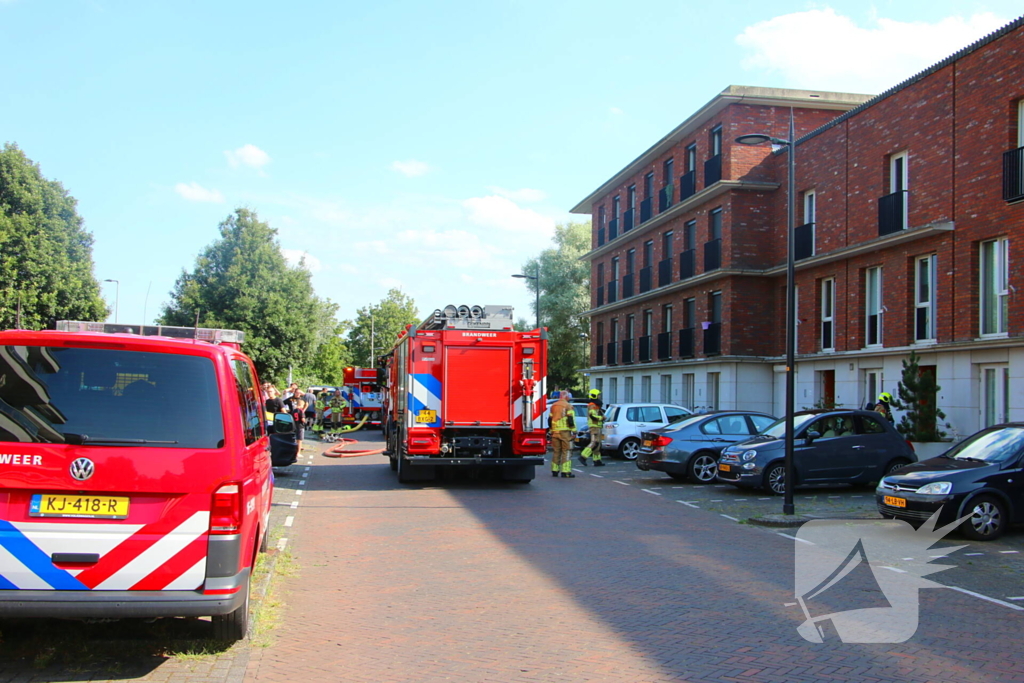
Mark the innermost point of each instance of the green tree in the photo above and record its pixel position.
(917, 395)
(376, 326)
(242, 281)
(564, 297)
(45, 252)
(522, 325)
(328, 364)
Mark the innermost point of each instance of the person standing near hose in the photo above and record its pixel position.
(562, 423)
(595, 423)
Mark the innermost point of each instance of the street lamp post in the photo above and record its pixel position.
(759, 139)
(117, 296)
(536, 279)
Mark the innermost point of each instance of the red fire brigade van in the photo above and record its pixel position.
(134, 474)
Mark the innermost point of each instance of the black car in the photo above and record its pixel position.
(980, 478)
(689, 449)
(829, 447)
(284, 444)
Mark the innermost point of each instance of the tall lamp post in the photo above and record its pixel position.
(536, 278)
(117, 296)
(760, 139)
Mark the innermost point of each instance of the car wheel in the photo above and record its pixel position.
(987, 519)
(234, 625)
(775, 479)
(897, 464)
(629, 448)
(703, 468)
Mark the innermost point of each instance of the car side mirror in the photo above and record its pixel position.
(283, 423)
(811, 436)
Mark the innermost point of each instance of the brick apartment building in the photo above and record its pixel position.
(906, 206)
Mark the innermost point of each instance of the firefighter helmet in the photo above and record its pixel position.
(594, 393)
(885, 397)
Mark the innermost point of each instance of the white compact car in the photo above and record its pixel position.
(624, 423)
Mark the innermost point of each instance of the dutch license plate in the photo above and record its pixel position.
(724, 468)
(62, 505)
(426, 416)
(895, 502)
(647, 443)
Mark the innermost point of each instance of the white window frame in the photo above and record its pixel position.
(627, 390)
(1020, 123)
(924, 296)
(810, 206)
(873, 302)
(995, 394)
(613, 390)
(666, 388)
(828, 314)
(645, 389)
(714, 386)
(872, 386)
(900, 181)
(689, 382)
(994, 286)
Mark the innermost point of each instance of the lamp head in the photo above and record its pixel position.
(754, 139)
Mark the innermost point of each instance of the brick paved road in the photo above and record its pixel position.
(577, 580)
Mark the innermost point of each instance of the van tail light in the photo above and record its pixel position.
(226, 511)
(661, 442)
(912, 449)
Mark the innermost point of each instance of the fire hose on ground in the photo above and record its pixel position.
(341, 449)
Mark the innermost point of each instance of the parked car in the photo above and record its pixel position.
(689, 449)
(829, 447)
(624, 423)
(980, 478)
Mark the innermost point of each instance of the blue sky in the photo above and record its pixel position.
(430, 146)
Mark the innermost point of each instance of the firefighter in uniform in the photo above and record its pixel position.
(883, 406)
(595, 424)
(338, 406)
(562, 423)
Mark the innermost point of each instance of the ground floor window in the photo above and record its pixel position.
(627, 390)
(613, 390)
(688, 384)
(714, 379)
(645, 389)
(995, 394)
(666, 388)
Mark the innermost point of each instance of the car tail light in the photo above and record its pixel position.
(226, 511)
(912, 449)
(661, 442)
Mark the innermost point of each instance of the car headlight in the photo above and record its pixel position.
(749, 465)
(749, 455)
(936, 488)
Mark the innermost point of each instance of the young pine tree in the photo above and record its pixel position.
(917, 396)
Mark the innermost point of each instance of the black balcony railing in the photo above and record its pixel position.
(664, 345)
(686, 342)
(627, 351)
(613, 229)
(713, 339)
(600, 236)
(627, 220)
(645, 279)
(892, 213)
(600, 295)
(686, 264)
(803, 241)
(712, 170)
(645, 349)
(627, 286)
(1013, 175)
(665, 198)
(712, 255)
(664, 272)
(612, 347)
(599, 355)
(613, 291)
(687, 185)
(646, 209)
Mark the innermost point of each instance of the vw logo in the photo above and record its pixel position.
(82, 469)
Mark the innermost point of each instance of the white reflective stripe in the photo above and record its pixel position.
(12, 569)
(158, 553)
(190, 580)
(421, 394)
(70, 537)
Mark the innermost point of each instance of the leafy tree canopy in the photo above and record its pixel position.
(377, 326)
(45, 252)
(564, 297)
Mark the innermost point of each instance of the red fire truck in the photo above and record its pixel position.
(464, 389)
(363, 394)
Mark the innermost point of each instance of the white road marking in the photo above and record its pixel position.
(299, 493)
(721, 486)
(620, 482)
(856, 496)
(789, 604)
(715, 501)
(302, 483)
(688, 504)
(985, 597)
(650, 491)
(281, 543)
(972, 554)
(294, 504)
(794, 538)
(732, 518)
(894, 569)
(289, 520)
(679, 487)
(764, 498)
(307, 469)
(740, 500)
(1009, 552)
(599, 476)
(906, 559)
(1020, 597)
(833, 496)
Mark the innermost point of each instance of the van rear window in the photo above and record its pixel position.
(108, 397)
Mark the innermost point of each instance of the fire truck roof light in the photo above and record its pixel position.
(214, 335)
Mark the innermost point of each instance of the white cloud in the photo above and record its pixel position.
(822, 49)
(248, 155)
(194, 192)
(295, 256)
(410, 168)
(502, 213)
(523, 195)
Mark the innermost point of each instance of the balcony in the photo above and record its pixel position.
(712, 255)
(664, 272)
(803, 238)
(645, 279)
(627, 351)
(627, 286)
(627, 220)
(600, 237)
(686, 264)
(611, 353)
(687, 185)
(646, 209)
(686, 342)
(892, 213)
(613, 229)
(712, 170)
(664, 345)
(665, 198)
(600, 295)
(599, 355)
(713, 339)
(645, 349)
(613, 291)
(1013, 175)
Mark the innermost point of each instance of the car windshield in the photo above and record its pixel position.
(108, 396)
(998, 445)
(777, 429)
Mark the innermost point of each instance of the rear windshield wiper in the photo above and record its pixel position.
(78, 439)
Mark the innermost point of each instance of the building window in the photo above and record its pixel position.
(600, 216)
(828, 305)
(666, 317)
(898, 180)
(714, 380)
(613, 390)
(630, 326)
(689, 235)
(666, 245)
(688, 384)
(872, 388)
(615, 268)
(810, 206)
(645, 389)
(666, 389)
(873, 306)
(995, 262)
(615, 208)
(630, 261)
(631, 198)
(716, 307)
(715, 226)
(691, 157)
(615, 330)
(924, 298)
(689, 312)
(995, 394)
(648, 253)
(600, 333)
(667, 172)
(599, 384)
(716, 140)
(627, 390)
(649, 185)
(648, 322)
